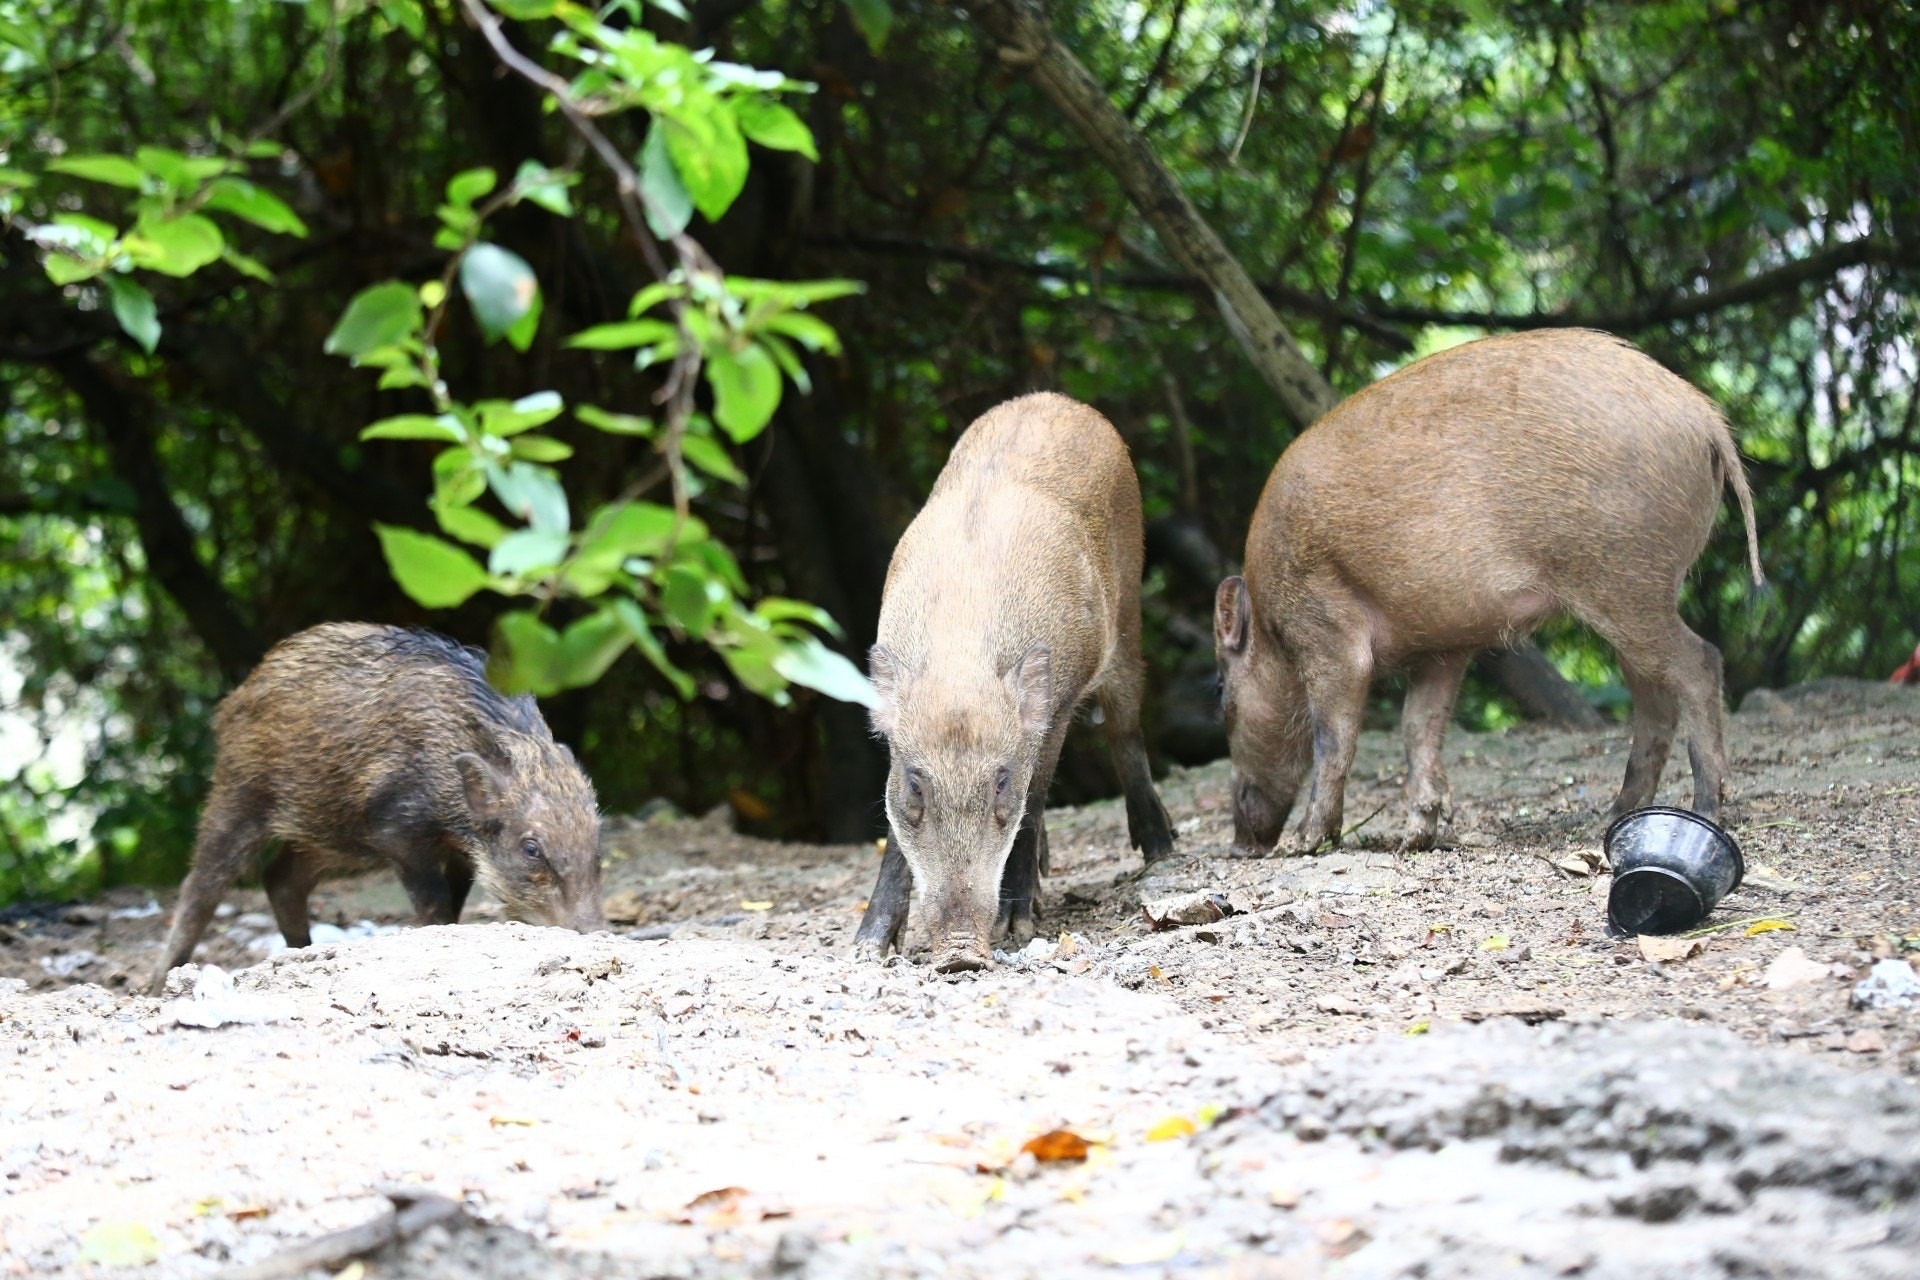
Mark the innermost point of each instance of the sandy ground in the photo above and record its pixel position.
(1425, 1065)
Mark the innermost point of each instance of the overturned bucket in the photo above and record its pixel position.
(1671, 867)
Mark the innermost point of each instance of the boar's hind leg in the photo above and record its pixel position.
(885, 922)
(1429, 705)
(1703, 700)
(288, 879)
(1679, 679)
(1147, 825)
(233, 829)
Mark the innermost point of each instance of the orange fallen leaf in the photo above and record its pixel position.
(248, 1211)
(1057, 1144)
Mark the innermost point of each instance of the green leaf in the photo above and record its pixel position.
(532, 493)
(711, 160)
(431, 570)
(249, 203)
(627, 529)
(499, 418)
(772, 125)
(246, 266)
(499, 285)
(649, 644)
(545, 187)
(465, 187)
(811, 332)
(469, 524)
(808, 662)
(176, 246)
(622, 334)
(182, 172)
(591, 645)
(619, 424)
(791, 293)
(133, 308)
(669, 207)
(521, 332)
(378, 316)
(753, 666)
(707, 454)
(525, 655)
(415, 426)
(541, 449)
(691, 598)
(115, 170)
(457, 480)
(746, 390)
(527, 553)
(873, 19)
(779, 609)
(119, 1244)
(655, 294)
(526, 10)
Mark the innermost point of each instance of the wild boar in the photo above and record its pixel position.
(354, 745)
(1455, 506)
(1013, 596)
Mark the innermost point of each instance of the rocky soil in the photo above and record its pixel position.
(1377, 1065)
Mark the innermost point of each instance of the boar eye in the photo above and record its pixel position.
(530, 847)
(1002, 782)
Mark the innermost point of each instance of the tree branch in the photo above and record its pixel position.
(1026, 42)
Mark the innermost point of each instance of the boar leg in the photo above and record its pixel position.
(459, 873)
(1655, 714)
(233, 830)
(1336, 685)
(1020, 881)
(1703, 703)
(288, 879)
(885, 922)
(1147, 826)
(1429, 705)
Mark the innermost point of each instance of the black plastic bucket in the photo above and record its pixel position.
(1671, 867)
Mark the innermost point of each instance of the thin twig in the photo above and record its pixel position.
(1253, 94)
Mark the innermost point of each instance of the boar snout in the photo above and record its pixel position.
(963, 953)
(1257, 819)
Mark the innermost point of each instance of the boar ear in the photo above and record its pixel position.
(1232, 612)
(483, 783)
(883, 669)
(1031, 681)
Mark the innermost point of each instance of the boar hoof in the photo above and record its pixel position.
(870, 951)
(1249, 851)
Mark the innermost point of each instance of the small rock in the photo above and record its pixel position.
(1791, 968)
(1890, 984)
(65, 966)
(1866, 1040)
(1476, 840)
(1338, 1005)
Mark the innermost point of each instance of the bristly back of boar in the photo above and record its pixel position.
(353, 745)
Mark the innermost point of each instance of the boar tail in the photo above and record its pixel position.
(1734, 473)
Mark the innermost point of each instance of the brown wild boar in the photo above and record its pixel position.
(1013, 595)
(354, 745)
(1455, 506)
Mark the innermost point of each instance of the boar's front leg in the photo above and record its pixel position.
(1336, 684)
(1429, 705)
(885, 922)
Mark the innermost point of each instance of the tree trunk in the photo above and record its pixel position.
(1542, 692)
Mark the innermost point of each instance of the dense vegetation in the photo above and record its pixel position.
(1730, 184)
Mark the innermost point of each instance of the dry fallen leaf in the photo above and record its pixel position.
(1057, 1144)
(1419, 1028)
(756, 906)
(729, 1207)
(1866, 1040)
(1498, 942)
(1341, 1237)
(1759, 927)
(1151, 1249)
(245, 1211)
(1669, 950)
(1792, 968)
(352, 1271)
(119, 1244)
(500, 1122)
(1581, 862)
(1171, 1127)
(1283, 1197)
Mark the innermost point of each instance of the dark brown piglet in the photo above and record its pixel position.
(354, 745)
(1455, 506)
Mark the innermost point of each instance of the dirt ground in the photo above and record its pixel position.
(1381, 1065)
